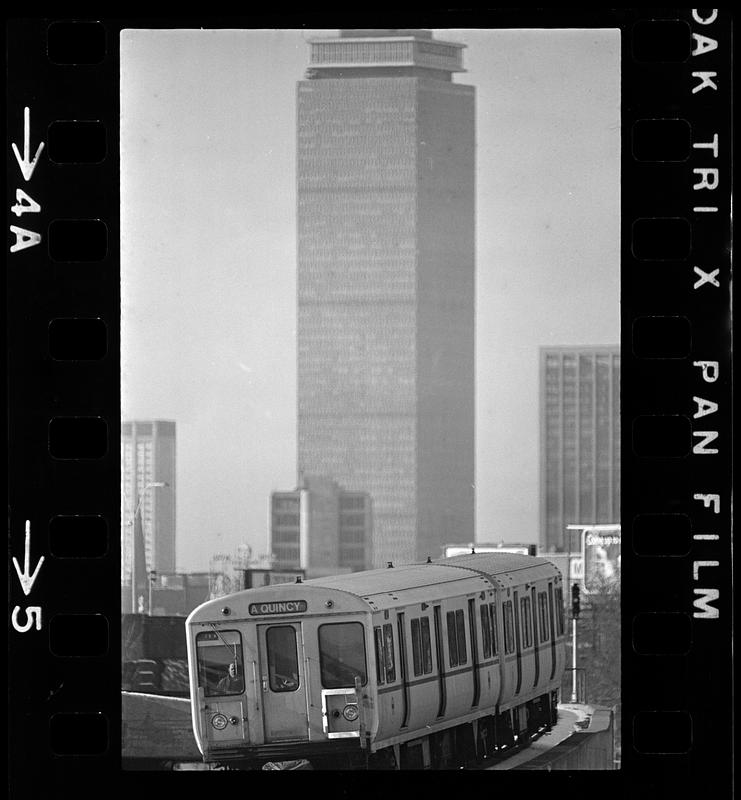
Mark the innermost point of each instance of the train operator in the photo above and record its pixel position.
(231, 683)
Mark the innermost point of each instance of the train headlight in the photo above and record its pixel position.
(350, 713)
(219, 721)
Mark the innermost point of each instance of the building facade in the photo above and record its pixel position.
(386, 283)
(321, 528)
(580, 441)
(148, 457)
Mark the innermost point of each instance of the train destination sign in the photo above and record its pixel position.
(280, 607)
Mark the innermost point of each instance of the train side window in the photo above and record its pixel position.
(509, 627)
(416, 647)
(526, 622)
(342, 654)
(545, 634)
(559, 611)
(220, 665)
(426, 646)
(461, 631)
(494, 630)
(452, 638)
(380, 655)
(388, 638)
(485, 631)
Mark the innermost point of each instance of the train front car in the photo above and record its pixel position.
(420, 666)
(275, 674)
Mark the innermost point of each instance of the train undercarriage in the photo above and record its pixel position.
(457, 747)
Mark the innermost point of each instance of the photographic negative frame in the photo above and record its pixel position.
(64, 367)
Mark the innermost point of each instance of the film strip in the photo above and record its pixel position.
(63, 273)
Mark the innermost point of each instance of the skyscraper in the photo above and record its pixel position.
(386, 283)
(148, 457)
(580, 440)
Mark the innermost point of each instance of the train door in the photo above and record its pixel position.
(534, 618)
(552, 630)
(404, 669)
(439, 651)
(282, 682)
(518, 648)
(474, 653)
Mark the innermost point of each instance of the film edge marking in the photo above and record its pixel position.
(25, 204)
(27, 579)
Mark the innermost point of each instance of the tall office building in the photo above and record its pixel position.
(579, 440)
(148, 457)
(386, 283)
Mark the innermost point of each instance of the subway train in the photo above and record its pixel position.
(422, 666)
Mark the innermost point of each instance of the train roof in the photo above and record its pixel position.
(494, 563)
(406, 584)
(410, 577)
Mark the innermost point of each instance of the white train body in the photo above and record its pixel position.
(395, 667)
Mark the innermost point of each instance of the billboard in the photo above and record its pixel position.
(601, 558)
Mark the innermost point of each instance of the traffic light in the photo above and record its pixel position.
(575, 601)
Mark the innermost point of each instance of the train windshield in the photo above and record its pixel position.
(342, 654)
(220, 663)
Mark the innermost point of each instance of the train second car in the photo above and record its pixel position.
(418, 666)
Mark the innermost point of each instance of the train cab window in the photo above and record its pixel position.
(509, 627)
(456, 638)
(526, 621)
(280, 643)
(545, 634)
(220, 663)
(380, 656)
(494, 629)
(388, 649)
(421, 646)
(342, 654)
(559, 611)
(485, 631)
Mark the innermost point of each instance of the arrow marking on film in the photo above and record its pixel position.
(27, 167)
(27, 579)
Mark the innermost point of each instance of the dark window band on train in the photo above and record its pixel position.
(388, 638)
(456, 638)
(421, 646)
(526, 622)
(509, 627)
(380, 656)
(494, 629)
(545, 633)
(485, 630)
(559, 611)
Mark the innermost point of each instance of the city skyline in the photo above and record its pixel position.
(209, 270)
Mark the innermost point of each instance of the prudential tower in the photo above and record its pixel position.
(386, 269)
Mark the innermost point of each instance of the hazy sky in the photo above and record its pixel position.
(208, 203)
